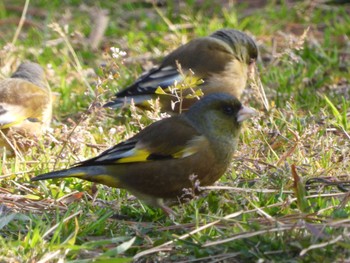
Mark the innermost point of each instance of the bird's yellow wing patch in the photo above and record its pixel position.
(19, 119)
(11, 115)
(192, 147)
(187, 151)
(136, 151)
(134, 155)
(143, 155)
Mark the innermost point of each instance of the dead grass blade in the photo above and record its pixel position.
(324, 244)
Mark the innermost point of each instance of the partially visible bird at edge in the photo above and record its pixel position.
(25, 106)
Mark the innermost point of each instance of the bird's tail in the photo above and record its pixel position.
(117, 103)
(98, 174)
(125, 101)
(79, 172)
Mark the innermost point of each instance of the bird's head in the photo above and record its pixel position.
(242, 45)
(32, 72)
(219, 115)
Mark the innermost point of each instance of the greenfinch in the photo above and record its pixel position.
(157, 164)
(220, 63)
(25, 106)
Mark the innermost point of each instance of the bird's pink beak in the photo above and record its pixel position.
(245, 113)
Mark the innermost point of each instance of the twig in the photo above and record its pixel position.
(321, 245)
(21, 22)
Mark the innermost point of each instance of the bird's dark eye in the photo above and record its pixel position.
(228, 110)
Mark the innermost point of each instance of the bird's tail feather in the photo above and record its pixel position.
(72, 172)
(97, 174)
(121, 102)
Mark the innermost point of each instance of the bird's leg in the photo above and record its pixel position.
(170, 212)
(166, 209)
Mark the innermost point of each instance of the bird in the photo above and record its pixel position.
(220, 62)
(156, 164)
(25, 106)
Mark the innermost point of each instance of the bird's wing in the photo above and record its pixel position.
(171, 138)
(148, 82)
(11, 115)
(21, 100)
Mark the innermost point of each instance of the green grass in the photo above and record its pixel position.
(255, 212)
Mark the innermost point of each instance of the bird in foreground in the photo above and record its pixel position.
(222, 60)
(156, 164)
(25, 105)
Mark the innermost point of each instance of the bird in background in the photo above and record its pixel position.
(25, 106)
(156, 164)
(222, 61)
